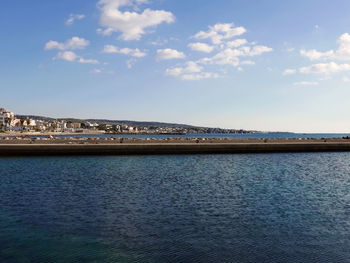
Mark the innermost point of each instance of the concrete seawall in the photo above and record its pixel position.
(181, 148)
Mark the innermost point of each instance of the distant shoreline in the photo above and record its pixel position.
(19, 134)
(97, 132)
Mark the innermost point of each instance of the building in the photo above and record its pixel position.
(6, 117)
(73, 125)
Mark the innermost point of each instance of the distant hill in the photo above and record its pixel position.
(106, 121)
(143, 123)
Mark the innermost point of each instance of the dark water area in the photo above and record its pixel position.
(188, 208)
(258, 135)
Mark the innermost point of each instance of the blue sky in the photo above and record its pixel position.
(263, 65)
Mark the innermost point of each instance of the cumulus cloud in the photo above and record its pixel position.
(289, 72)
(88, 61)
(72, 57)
(72, 17)
(229, 52)
(225, 57)
(331, 60)
(201, 47)
(257, 50)
(159, 42)
(191, 71)
(325, 68)
(342, 53)
(125, 51)
(131, 24)
(70, 44)
(67, 55)
(191, 67)
(168, 53)
(231, 56)
(220, 32)
(236, 43)
(316, 55)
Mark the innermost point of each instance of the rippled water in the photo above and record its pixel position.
(188, 208)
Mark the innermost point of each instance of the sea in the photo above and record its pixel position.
(176, 208)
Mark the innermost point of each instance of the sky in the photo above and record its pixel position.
(265, 65)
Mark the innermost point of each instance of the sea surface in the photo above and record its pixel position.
(179, 208)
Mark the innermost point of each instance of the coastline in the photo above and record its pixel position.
(169, 148)
(20, 134)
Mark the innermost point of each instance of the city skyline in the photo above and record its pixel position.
(266, 66)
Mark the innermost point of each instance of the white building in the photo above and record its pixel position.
(6, 117)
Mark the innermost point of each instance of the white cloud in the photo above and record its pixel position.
(325, 68)
(342, 53)
(202, 47)
(126, 51)
(191, 67)
(192, 71)
(258, 50)
(236, 43)
(159, 42)
(305, 83)
(132, 52)
(88, 61)
(70, 44)
(330, 66)
(225, 57)
(72, 17)
(316, 55)
(289, 72)
(220, 32)
(229, 52)
(168, 53)
(72, 57)
(231, 56)
(67, 55)
(131, 24)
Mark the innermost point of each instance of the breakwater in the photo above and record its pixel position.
(169, 148)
